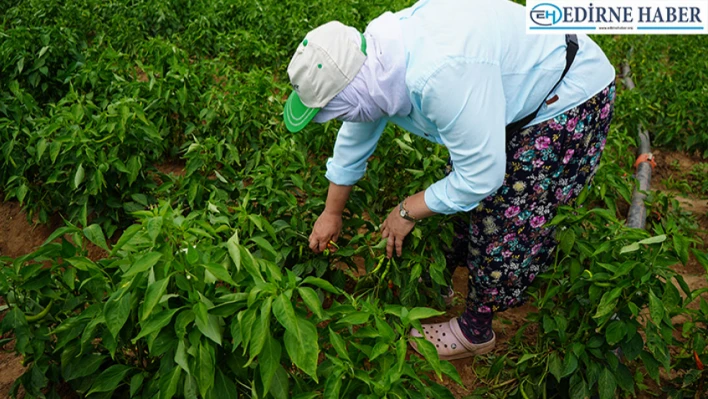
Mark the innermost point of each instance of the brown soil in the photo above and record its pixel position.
(140, 75)
(17, 236)
(10, 370)
(172, 167)
(676, 165)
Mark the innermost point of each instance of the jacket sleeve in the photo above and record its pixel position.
(354, 145)
(465, 101)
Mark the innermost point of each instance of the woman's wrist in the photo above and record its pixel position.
(416, 207)
(336, 200)
(332, 212)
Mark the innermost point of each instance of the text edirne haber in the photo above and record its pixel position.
(664, 14)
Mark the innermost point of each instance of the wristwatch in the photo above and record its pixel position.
(404, 213)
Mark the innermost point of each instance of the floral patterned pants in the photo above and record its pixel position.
(504, 243)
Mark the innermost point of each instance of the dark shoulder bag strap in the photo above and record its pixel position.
(572, 49)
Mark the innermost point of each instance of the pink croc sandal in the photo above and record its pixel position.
(449, 341)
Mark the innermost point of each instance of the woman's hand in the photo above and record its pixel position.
(327, 228)
(395, 228)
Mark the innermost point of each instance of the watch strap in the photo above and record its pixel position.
(404, 213)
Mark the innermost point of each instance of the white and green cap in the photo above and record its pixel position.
(323, 65)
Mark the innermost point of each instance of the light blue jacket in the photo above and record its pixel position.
(471, 70)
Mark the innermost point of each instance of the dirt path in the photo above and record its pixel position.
(17, 237)
(670, 166)
(10, 370)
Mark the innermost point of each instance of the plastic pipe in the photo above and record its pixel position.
(637, 215)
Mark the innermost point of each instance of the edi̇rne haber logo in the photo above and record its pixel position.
(617, 17)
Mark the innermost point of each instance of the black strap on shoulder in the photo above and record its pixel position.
(570, 52)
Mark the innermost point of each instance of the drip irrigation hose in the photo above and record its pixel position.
(637, 215)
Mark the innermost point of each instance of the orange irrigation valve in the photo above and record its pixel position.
(646, 157)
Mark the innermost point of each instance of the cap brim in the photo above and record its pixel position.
(296, 114)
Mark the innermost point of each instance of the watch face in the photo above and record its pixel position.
(403, 213)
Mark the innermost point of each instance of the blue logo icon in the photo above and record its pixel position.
(546, 14)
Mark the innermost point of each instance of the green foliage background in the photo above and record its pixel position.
(96, 97)
(95, 92)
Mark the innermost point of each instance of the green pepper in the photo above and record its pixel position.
(388, 268)
(381, 260)
(42, 314)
